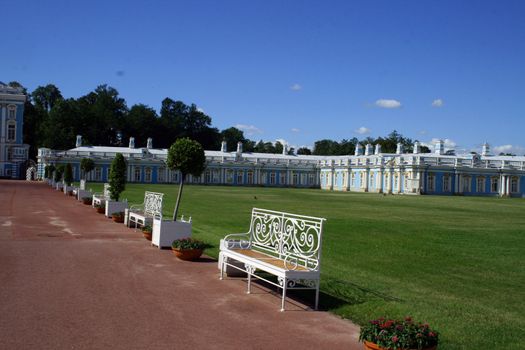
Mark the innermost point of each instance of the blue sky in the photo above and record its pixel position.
(293, 70)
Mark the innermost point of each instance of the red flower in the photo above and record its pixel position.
(395, 339)
(431, 334)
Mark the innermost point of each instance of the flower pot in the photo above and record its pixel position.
(87, 202)
(101, 210)
(187, 254)
(119, 219)
(147, 235)
(374, 346)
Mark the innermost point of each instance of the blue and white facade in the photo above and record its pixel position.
(369, 170)
(13, 151)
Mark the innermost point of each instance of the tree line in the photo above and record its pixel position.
(102, 117)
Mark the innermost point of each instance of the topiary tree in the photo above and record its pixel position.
(59, 171)
(117, 176)
(86, 165)
(50, 170)
(68, 174)
(188, 157)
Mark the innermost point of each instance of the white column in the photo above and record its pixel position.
(508, 185)
(501, 185)
(367, 179)
(389, 182)
(380, 179)
(399, 180)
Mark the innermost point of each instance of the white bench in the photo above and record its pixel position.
(285, 245)
(143, 214)
(101, 198)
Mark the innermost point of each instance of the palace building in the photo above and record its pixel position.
(368, 170)
(13, 152)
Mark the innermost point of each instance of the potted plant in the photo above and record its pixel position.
(386, 334)
(117, 184)
(87, 200)
(188, 248)
(146, 231)
(100, 208)
(118, 217)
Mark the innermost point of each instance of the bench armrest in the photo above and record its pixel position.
(238, 240)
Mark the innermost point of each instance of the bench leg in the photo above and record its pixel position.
(284, 294)
(249, 282)
(221, 259)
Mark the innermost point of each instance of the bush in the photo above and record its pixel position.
(399, 334)
(188, 243)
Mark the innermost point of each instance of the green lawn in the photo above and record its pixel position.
(454, 262)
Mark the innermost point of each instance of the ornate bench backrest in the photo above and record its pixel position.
(82, 185)
(107, 194)
(153, 204)
(294, 238)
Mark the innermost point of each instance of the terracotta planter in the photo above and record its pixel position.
(87, 202)
(118, 219)
(70, 193)
(187, 254)
(147, 235)
(101, 210)
(374, 346)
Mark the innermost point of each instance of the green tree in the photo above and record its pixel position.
(326, 147)
(68, 174)
(188, 157)
(304, 151)
(50, 170)
(117, 176)
(59, 171)
(58, 129)
(46, 97)
(232, 136)
(86, 165)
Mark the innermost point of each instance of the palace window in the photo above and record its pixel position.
(11, 132)
(352, 179)
(396, 180)
(282, 178)
(431, 182)
(494, 184)
(514, 184)
(446, 183)
(208, 176)
(98, 174)
(371, 182)
(407, 181)
(272, 178)
(466, 184)
(362, 179)
(250, 177)
(161, 174)
(147, 174)
(11, 112)
(310, 179)
(229, 176)
(295, 178)
(216, 176)
(480, 184)
(262, 176)
(136, 174)
(240, 177)
(174, 176)
(302, 179)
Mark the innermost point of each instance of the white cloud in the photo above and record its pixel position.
(295, 130)
(296, 87)
(423, 132)
(384, 103)
(362, 131)
(513, 149)
(200, 110)
(249, 129)
(437, 103)
(449, 144)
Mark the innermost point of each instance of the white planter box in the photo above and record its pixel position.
(59, 186)
(115, 207)
(83, 193)
(166, 231)
(67, 188)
